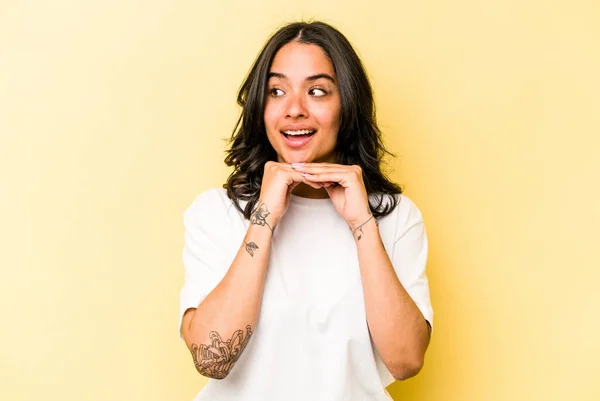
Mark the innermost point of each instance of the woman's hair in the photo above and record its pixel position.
(359, 139)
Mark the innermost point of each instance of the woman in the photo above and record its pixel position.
(305, 276)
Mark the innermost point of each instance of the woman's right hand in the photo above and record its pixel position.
(279, 179)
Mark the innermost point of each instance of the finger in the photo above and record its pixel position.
(330, 191)
(317, 170)
(298, 178)
(292, 176)
(315, 185)
(320, 165)
(342, 178)
(280, 166)
(294, 185)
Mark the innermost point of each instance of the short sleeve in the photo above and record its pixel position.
(407, 249)
(409, 257)
(205, 258)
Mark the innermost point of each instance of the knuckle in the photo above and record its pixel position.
(279, 173)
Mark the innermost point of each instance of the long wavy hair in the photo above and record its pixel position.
(359, 139)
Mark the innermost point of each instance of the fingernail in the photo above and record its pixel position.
(297, 165)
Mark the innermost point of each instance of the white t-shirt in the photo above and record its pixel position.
(311, 341)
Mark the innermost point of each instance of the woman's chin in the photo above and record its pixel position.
(292, 159)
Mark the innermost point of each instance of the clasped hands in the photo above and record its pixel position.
(344, 185)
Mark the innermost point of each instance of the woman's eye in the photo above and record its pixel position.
(317, 92)
(275, 92)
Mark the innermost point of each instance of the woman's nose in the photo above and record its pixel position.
(296, 106)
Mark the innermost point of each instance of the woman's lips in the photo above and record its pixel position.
(297, 141)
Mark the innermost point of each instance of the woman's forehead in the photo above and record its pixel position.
(300, 60)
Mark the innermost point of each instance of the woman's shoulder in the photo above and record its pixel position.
(211, 204)
(212, 197)
(399, 220)
(405, 213)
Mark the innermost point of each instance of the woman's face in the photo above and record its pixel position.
(302, 108)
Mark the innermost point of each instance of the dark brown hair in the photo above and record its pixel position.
(359, 138)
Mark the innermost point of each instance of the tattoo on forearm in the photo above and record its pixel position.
(217, 359)
(360, 230)
(250, 247)
(259, 217)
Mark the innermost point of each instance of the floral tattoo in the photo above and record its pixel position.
(259, 217)
(216, 359)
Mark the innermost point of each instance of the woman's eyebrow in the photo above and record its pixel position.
(310, 78)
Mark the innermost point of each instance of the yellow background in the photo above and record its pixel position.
(112, 115)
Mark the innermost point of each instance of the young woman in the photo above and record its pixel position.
(305, 275)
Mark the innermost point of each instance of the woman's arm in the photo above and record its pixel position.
(230, 311)
(218, 330)
(399, 330)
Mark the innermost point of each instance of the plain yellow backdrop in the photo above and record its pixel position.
(112, 115)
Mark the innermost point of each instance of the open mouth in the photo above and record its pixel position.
(298, 134)
(297, 139)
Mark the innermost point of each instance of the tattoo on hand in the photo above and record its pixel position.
(217, 359)
(259, 217)
(360, 230)
(251, 247)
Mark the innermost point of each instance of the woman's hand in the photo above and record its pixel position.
(278, 181)
(345, 187)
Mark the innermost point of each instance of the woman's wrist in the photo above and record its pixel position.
(357, 226)
(262, 216)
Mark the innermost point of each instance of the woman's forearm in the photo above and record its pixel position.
(218, 330)
(399, 331)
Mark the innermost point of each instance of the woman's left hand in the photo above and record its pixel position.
(349, 197)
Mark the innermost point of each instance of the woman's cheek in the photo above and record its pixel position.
(270, 121)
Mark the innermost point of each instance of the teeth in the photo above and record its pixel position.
(300, 132)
